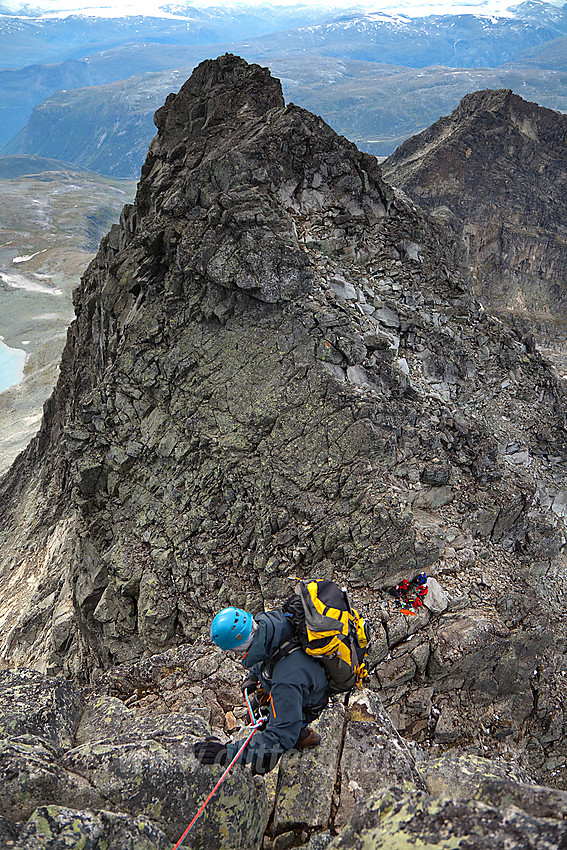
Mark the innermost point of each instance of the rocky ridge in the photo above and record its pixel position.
(112, 767)
(277, 369)
(512, 233)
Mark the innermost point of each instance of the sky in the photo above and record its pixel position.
(113, 8)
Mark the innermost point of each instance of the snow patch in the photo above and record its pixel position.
(25, 258)
(18, 281)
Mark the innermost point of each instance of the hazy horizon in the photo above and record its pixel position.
(122, 8)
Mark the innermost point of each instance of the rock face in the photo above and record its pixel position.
(131, 783)
(276, 369)
(496, 171)
(127, 779)
(400, 818)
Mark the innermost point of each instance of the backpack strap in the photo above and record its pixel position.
(283, 650)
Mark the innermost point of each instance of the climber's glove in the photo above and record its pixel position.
(249, 686)
(210, 751)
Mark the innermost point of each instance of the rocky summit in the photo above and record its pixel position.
(278, 368)
(495, 171)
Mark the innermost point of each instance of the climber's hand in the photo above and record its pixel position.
(210, 751)
(249, 685)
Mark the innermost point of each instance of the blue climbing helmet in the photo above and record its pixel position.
(232, 629)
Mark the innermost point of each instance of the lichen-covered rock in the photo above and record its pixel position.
(460, 776)
(307, 778)
(373, 756)
(162, 780)
(132, 766)
(494, 781)
(31, 774)
(394, 818)
(536, 800)
(133, 779)
(60, 828)
(33, 704)
(106, 718)
(320, 841)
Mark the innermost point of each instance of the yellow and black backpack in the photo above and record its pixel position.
(328, 628)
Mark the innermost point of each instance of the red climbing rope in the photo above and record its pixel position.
(256, 725)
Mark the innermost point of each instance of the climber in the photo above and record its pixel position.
(293, 685)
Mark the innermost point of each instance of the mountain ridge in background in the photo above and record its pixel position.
(512, 231)
(381, 40)
(390, 105)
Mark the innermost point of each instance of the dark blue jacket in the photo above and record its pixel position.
(298, 691)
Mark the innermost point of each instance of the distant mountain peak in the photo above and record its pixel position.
(498, 163)
(492, 99)
(468, 122)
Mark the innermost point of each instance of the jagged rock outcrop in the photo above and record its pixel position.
(398, 817)
(277, 369)
(127, 777)
(495, 171)
(122, 780)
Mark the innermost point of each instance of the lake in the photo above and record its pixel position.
(11, 366)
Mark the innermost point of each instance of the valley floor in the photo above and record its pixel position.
(50, 226)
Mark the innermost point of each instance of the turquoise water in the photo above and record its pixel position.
(11, 366)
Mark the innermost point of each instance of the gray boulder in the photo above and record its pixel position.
(105, 718)
(437, 599)
(57, 828)
(307, 779)
(31, 775)
(537, 800)
(395, 818)
(460, 776)
(161, 779)
(132, 781)
(373, 756)
(31, 703)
